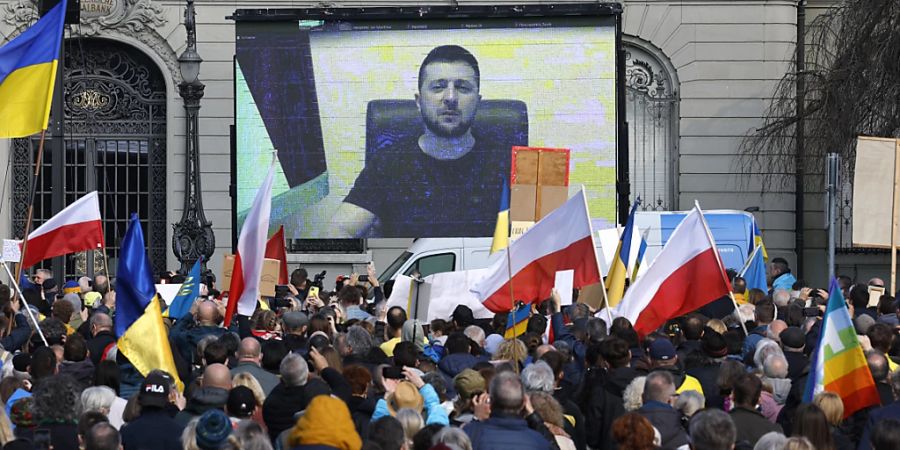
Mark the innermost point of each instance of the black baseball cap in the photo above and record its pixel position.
(155, 390)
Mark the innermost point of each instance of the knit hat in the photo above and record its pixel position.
(71, 287)
(792, 337)
(405, 396)
(326, 422)
(213, 429)
(714, 344)
(92, 299)
(468, 383)
(241, 402)
(22, 413)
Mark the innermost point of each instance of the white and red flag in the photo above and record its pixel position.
(251, 250)
(686, 275)
(560, 241)
(76, 228)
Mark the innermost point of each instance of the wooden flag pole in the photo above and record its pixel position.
(894, 210)
(30, 214)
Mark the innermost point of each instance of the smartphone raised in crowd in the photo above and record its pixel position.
(313, 292)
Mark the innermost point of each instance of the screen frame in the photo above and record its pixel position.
(623, 184)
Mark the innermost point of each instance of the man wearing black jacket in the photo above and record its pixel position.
(154, 428)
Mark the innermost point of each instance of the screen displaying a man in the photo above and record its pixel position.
(445, 180)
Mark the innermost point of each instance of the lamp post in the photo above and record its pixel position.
(193, 237)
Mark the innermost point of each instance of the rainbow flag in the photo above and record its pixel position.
(517, 321)
(28, 73)
(501, 231)
(839, 364)
(618, 270)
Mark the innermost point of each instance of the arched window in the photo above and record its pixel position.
(652, 114)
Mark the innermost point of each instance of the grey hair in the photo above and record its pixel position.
(475, 333)
(770, 441)
(294, 370)
(764, 348)
(781, 298)
(412, 422)
(189, 435)
(103, 320)
(659, 386)
(47, 273)
(359, 340)
(712, 429)
(689, 402)
(97, 398)
(633, 395)
(507, 394)
(453, 438)
(252, 436)
(775, 366)
(538, 377)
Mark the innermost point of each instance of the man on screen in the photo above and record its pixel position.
(444, 182)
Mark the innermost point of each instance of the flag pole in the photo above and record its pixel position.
(597, 259)
(18, 290)
(30, 214)
(712, 243)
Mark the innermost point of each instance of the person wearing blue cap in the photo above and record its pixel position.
(663, 356)
(213, 430)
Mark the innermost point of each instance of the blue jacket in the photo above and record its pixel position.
(434, 412)
(891, 411)
(504, 433)
(187, 333)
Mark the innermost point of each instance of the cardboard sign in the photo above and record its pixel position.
(540, 182)
(267, 279)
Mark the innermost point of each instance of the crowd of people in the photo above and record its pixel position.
(341, 370)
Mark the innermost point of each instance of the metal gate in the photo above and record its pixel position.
(115, 143)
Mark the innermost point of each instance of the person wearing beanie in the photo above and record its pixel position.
(153, 429)
(713, 349)
(213, 430)
(326, 424)
(793, 342)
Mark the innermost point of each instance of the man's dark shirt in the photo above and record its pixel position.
(403, 185)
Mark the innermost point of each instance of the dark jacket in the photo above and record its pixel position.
(618, 379)
(668, 421)
(577, 431)
(267, 380)
(62, 436)
(97, 344)
(202, 400)
(80, 371)
(187, 333)
(707, 376)
(285, 401)
(891, 411)
(798, 364)
(751, 425)
(361, 410)
(453, 364)
(19, 335)
(295, 343)
(600, 407)
(154, 429)
(504, 433)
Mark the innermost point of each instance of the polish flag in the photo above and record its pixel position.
(686, 275)
(251, 250)
(275, 250)
(562, 240)
(76, 228)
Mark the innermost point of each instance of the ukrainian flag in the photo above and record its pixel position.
(189, 292)
(517, 321)
(758, 242)
(640, 256)
(618, 270)
(501, 231)
(145, 341)
(28, 73)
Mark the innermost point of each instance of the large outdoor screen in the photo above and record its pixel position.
(404, 128)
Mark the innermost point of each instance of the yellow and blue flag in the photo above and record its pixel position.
(189, 292)
(754, 272)
(618, 270)
(517, 321)
(28, 66)
(758, 241)
(640, 256)
(143, 338)
(501, 231)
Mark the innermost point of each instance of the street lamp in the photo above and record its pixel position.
(193, 237)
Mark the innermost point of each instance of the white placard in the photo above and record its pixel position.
(565, 279)
(168, 292)
(11, 250)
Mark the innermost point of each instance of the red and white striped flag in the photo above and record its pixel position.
(251, 250)
(686, 275)
(76, 228)
(560, 241)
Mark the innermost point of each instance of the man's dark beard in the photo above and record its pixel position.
(436, 129)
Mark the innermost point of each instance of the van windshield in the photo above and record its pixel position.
(388, 273)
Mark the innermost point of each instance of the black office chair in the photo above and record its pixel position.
(391, 121)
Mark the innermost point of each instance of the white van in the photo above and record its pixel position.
(732, 230)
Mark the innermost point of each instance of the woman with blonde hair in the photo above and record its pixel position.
(833, 407)
(798, 443)
(512, 350)
(250, 382)
(411, 421)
